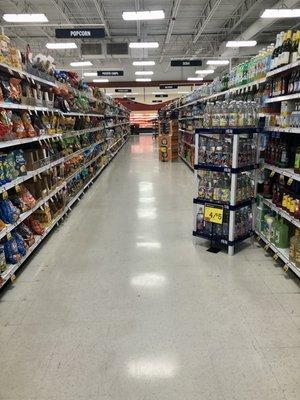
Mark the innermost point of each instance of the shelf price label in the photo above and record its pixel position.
(213, 214)
(290, 181)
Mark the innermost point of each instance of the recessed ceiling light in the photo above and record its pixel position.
(143, 63)
(144, 73)
(144, 45)
(66, 45)
(217, 62)
(194, 79)
(143, 80)
(90, 74)
(25, 18)
(205, 71)
(143, 15)
(81, 64)
(100, 80)
(281, 13)
(241, 43)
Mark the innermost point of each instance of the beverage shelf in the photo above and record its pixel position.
(234, 131)
(11, 269)
(286, 97)
(283, 254)
(283, 69)
(226, 206)
(288, 172)
(186, 162)
(278, 129)
(282, 212)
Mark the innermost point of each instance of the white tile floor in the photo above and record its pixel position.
(120, 304)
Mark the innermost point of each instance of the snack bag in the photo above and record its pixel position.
(20, 243)
(20, 162)
(11, 172)
(8, 212)
(18, 127)
(27, 124)
(5, 123)
(4, 49)
(11, 251)
(34, 225)
(26, 234)
(15, 90)
(27, 197)
(3, 265)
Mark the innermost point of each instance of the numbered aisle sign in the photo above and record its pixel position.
(213, 214)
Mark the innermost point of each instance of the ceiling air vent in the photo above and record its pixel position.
(116, 48)
(91, 49)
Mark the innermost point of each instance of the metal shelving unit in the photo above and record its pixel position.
(233, 206)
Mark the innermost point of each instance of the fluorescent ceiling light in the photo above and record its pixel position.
(90, 74)
(217, 62)
(183, 92)
(144, 73)
(143, 80)
(194, 79)
(205, 71)
(281, 13)
(100, 80)
(144, 45)
(25, 18)
(66, 45)
(81, 64)
(241, 43)
(143, 63)
(157, 93)
(143, 15)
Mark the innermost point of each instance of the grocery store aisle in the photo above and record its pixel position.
(120, 304)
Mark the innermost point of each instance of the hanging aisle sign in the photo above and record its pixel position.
(89, 33)
(213, 214)
(110, 73)
(123, 90)
(186, 63)
(165, 87)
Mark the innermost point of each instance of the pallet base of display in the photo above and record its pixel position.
(11, 269)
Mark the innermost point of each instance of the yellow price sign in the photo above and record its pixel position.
(290, 181)
(272, 173)
(213, 214)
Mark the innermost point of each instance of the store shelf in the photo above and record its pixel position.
(283, 69)
(281, 212)
(277, 99)
(26, 214)
(288, 172)
(30, 174)
(16, 106)
(247, 87)
(115, 125)
(215, 168)
(11, 269)
(233, 131)
(25, 75)
(226, 206)
(278, 129)
(283, 254)
(186, 131)
(187, 143)
(19, 142)
(80, 114)
(186, 162)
